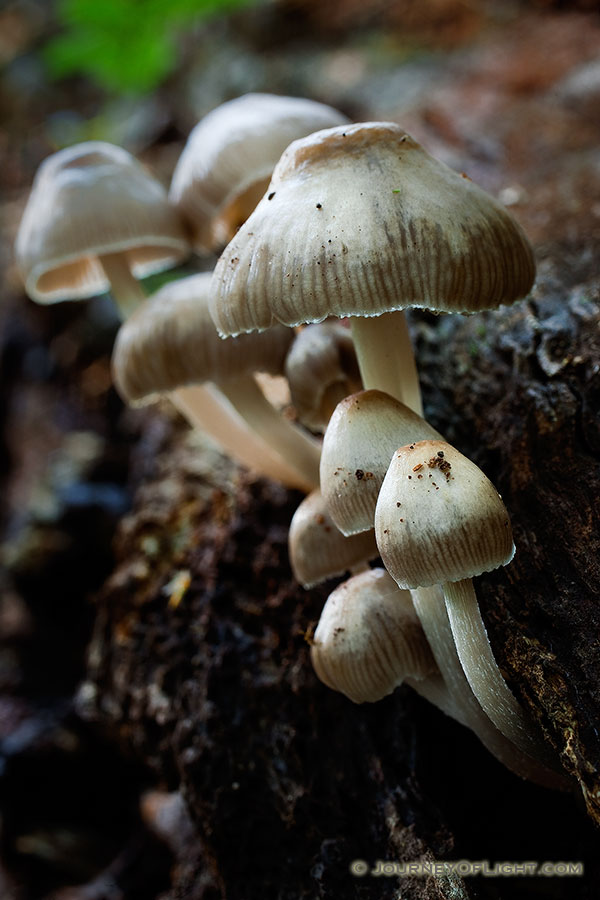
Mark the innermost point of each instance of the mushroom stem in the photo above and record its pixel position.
(537, 762)
(385, 357)
(297, 448)
(481, 669)
(202, 406)
(126, 291)
(435, 690)
(205, 407)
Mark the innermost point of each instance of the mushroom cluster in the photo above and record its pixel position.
(330, 231)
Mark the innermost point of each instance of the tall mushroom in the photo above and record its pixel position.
(439, 520)
(363, 434)
(361, 221)
(171, 342)
(227, 162)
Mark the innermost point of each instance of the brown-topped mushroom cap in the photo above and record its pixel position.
(230, 155)
(362, 434)
(439, 518)
(369, 639)
(171, 341)
(90, 200)
(360, 220)
(318, 550)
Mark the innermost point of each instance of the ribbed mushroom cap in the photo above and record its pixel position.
(318, 550)
(321, 368)
(439, 518)
(369, 639)
(89, 200)
(361, 220)
(230, 155)
(171, 341)
(361, 437)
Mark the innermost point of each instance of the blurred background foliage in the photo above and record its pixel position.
(127, 46)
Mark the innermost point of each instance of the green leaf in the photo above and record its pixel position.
(125, 45)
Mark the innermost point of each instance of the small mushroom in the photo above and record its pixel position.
(96, 219)
(361, 436)
(451, 526)
(321, 369)
(369, 639)
(361, 221)
(319, 551)
(227, 162)
(171, 342)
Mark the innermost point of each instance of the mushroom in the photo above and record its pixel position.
(171, 342)
(321, 369)
(369, 640)
(439, 520)
(96, 218)
(228, 159)
(361, 221)
(318, 550)
(363, 432)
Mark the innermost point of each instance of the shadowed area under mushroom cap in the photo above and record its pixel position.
(321, 369)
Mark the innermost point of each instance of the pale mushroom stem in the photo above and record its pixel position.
(385, 357)
(481, 669)
(300, 450)
(435, 690)
(515, 747)
(126, 291)
(204, 407)
(201, 405)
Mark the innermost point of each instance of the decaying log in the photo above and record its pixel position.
(200, 654)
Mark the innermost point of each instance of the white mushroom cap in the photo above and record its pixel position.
(360, 220)
(439, 518)
(369, 639)
(362, 434)
(90, 200)
(321, 368)
(318, 550)
(230, 155)
(171, 341)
